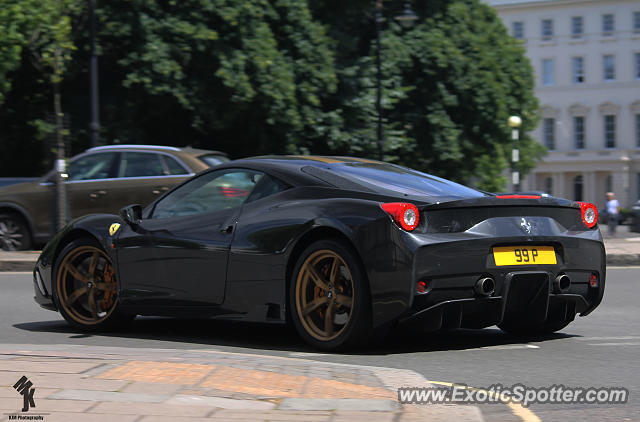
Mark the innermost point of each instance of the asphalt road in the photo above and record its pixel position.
(602, 349)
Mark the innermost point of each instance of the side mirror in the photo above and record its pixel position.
(132, 214)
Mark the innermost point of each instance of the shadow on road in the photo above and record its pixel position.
(283, 338)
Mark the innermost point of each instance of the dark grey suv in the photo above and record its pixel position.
(102, 179)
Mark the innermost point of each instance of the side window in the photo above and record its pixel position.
(173, 168)
(267, 186)
(210, 192)
(92, 166)
(140, 164)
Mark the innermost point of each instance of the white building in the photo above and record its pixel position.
(586, 56)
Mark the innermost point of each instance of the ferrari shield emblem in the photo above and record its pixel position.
(114, 228)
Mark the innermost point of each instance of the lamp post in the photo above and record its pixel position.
(514, 124)
(406, 19)
(95, 114)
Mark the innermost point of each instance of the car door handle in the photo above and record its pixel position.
(158, 191)
(96, 194)
(227, 229)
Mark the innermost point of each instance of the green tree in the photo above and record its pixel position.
(245, 77)
(450, 84)
(39, 43)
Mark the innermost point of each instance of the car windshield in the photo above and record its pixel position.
(213, 159)
(402, 180)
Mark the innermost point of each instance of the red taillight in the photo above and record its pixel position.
(519, 196)
(593, 281)
(589, 214)
(422, 287)
(404, 214)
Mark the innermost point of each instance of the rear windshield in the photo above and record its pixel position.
(402, 180)
(213, 159)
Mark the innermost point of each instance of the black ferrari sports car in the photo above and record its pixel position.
(342, 248)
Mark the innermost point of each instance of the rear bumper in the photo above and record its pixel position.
(522, 293)
(451, 264)
(525, 297)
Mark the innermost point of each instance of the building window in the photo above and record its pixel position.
(577, 188)
(548, 185)
(577, 27)
(636, 22)
(548, 129)
(517, 29)
(608, 24)
(548, 71)
(609, 67)
(577, 64)
(610, 131)
(637, 65)
(578, 132)
(547, 29)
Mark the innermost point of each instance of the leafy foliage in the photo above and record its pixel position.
(285, 76)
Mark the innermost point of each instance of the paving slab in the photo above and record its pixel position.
(109, 396)
(224, 386)
(339, 404)
(220, 402)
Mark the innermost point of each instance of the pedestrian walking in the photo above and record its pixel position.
(613, 212)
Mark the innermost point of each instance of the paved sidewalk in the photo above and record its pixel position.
(623, 249)
(80, 383)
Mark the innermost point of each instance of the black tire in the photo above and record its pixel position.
(530, 330)
(14, 232)
(85, 288)
(328, 283)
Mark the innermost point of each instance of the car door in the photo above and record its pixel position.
(87, 182)
(141, 177)
(178, 255)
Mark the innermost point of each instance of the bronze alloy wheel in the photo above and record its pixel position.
(86, 285)
(324, 295)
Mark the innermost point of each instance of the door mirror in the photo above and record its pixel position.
(132, 214)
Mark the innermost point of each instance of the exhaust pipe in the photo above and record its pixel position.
(561, 283)
(485, 286)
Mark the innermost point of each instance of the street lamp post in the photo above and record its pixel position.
(406, 19)
(514, 124)
(95, 114)
(380, 136)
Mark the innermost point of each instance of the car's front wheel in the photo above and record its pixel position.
(85, 288)
(329, 296)
(14, 233)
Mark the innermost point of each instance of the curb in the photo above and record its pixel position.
(26, 265)
(17, 265)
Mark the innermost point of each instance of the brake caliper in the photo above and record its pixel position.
(110, 293)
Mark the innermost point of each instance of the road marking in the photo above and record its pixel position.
(507, 347)
(614, 344)
(609, 338)
(304, 354)
(516, 408)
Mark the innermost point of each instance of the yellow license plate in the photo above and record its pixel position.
(524, 255)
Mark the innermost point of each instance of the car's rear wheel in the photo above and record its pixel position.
(329, 296)
(14, 233)
(85, 286)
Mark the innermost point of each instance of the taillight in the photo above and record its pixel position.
(404, 214)
(593, 280)
(589, 214)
